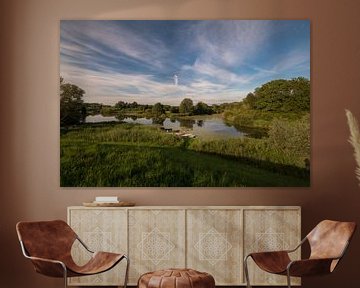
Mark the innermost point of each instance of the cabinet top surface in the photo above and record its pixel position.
(192, 207)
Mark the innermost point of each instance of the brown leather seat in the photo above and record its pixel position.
(48, 245)
(176, 278)
(328, 242)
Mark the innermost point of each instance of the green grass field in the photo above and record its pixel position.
(128, 155)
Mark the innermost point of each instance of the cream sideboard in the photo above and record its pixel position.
(211, 239)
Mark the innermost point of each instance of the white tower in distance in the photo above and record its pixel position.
(176, 80)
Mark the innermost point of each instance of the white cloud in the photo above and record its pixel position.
(225, 47)
(224, 54)
(207, 86)
(110, 87)
(229, 43)
(218, 73)
(294, 60)
(113, 39)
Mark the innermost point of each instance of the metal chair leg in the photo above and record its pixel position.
(65, 275)
(288, 278)
(127, 271)
(246, 270)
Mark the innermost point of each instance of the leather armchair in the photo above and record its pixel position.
(48, 245)
(328, 243)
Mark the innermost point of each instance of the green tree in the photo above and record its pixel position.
(202, 108)
(93, 108)
(134, 105)
(283, 95)
(186, 106)
(174, 109)
(120, 105)
(158, 110)
(250, 100)
(218, 108)
(72, 108)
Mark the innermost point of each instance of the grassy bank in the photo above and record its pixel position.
(240, 115)
(126, 155)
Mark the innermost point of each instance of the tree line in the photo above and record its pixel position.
(277, 95)
(73, 110)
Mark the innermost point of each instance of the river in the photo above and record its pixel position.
(202, 126)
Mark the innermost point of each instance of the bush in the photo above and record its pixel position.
(291, 140)
(286, 150)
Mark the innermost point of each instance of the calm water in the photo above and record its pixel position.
(99, 118)
(204, 127)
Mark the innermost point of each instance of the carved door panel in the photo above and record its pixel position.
(156, 240)
(101, 230)
(269, 230)
(214, 244)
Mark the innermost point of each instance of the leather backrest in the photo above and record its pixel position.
(329, 238)
(47, 239)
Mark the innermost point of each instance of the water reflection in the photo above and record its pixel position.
(186, 123)
(210, 127)
(120, 117)
(157, 120)
(99, 118)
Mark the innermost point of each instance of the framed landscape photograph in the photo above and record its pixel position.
(185, 103)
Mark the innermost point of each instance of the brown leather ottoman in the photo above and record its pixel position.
(176, 278)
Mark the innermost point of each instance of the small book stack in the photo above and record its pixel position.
(106, 199)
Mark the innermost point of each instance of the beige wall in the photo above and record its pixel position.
(29, 123)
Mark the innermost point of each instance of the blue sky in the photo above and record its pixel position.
(213, 61)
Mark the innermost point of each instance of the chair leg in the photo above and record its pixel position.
(288, 278)
(127, 271)
(246, 270)
(65, 276)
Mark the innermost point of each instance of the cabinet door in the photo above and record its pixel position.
(214, 244)
(101, 230)
(270, 230)
(156, 240)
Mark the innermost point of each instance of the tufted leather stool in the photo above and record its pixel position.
(176, 278)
